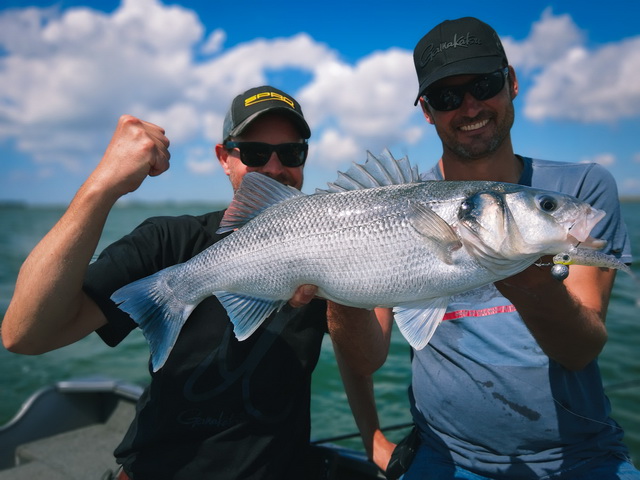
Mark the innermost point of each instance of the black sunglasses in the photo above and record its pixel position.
(485, 87)
(257, 154)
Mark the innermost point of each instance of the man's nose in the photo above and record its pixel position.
(274, 165)
(470, 103)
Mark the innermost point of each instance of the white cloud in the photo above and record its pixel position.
(68, 75)
(181, 121)
(573, 81)
(333, 149)
(214, 42)
(630, 186)
(81, 69)
(548, 41)
(202, 161)
(370, 101)
(604, 159)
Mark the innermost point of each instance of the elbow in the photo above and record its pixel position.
(580, 360)
(22, 348)
(363, 364)
(374, 362)
(13, 342)
(15, 345)
(574, 365)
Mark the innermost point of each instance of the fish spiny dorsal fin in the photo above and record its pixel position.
(257, 192)
(375, 172)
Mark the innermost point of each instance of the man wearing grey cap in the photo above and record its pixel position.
(218, 408)
(509, 385)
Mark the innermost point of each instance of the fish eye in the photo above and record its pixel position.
(547, 203)
(466, 206)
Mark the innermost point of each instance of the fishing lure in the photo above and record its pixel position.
(592, 258)
(583, 256)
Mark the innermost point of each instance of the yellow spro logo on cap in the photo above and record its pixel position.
(264, 96)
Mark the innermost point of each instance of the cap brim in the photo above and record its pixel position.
(298, 119)
(469, 66)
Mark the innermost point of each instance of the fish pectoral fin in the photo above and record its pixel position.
(247, 313)
(434, 229)
(418, 321)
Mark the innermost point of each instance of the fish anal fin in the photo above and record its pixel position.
(246, 312)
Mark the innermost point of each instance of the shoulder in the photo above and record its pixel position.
(208, 221)
(186, 235)
(572, 178)
(159, 242)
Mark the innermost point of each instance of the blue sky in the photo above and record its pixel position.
(69, 69)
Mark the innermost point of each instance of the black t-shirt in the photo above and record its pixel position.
(219, 408)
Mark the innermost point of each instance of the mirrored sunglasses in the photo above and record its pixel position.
(451, 97)
(257, 154)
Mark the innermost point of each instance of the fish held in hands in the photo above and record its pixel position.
(378, 236)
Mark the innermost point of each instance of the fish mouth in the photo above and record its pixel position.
(578, 232)
(589, 242)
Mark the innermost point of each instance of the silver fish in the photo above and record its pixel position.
(409, 246)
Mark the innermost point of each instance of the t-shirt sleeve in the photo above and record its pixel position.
(133, 257)
(157, 243)
(599, 189)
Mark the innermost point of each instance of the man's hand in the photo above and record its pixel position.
(303, 295)
(567, 318)
(137, 149)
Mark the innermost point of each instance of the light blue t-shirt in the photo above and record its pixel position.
(486, 396)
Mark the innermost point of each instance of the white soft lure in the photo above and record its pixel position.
(591, 258)
(377, 237)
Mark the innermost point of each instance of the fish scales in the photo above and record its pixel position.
(407, 246)
(327, 242)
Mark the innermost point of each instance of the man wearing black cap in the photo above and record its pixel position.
(219, 408)
(253, 116)
(509, 385)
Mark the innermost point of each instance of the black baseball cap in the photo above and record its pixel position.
(249, 105)
(457, 47)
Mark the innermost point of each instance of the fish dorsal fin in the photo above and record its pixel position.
(257, 192)
(432, 227)
(375, 172)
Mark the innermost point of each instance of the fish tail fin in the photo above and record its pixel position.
(158, 313)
